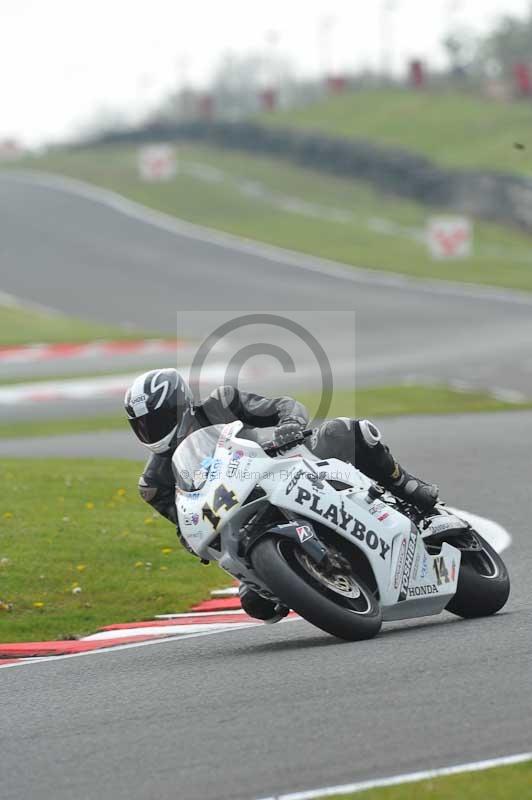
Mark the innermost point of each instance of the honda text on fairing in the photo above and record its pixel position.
(321, 538)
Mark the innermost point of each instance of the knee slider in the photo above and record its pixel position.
(337, 428)
(146, 491)
(370, 433)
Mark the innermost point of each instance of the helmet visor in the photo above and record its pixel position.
(155, 425)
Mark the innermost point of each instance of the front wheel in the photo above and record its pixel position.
(335, 600)
(483, 583)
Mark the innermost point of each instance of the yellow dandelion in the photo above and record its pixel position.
(166, 550)
(81, 567)
(89, 506)
(139, 564)
(7, 514)
(121, 492)
(38, 604)
(148, 521)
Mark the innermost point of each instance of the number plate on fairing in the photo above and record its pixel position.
(422, 584)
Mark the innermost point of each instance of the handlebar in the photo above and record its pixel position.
(272, 449)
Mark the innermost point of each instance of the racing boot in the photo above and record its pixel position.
(259, 608)
(420, 494)
(375, 459)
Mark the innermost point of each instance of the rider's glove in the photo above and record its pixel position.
(287, 430)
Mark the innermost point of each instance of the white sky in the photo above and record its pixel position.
(63, 60)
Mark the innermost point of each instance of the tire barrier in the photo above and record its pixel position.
(491, 196)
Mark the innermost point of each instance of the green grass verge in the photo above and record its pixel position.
(503, 257)
(65, 524)
(500, 783)
(20, 325)
(58, 427)
(382, 401)
(391, 401)
(452, 128)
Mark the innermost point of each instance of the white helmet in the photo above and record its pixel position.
(159, 407)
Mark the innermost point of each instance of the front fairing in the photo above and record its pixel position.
(211, 517)
(219, 477)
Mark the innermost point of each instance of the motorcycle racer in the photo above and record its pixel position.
(161, 411)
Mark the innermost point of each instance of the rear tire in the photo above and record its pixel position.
(281, 564)
(483, 584)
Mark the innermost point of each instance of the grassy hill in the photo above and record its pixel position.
(453, 129)
(272, 201)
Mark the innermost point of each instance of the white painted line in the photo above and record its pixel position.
(232, 591)
(268, 252)
(81, 388)
(118, 648)
(12, 301)
(164, 630)
(236, 611)
(508, 395)
(133, 645)
(397, 780)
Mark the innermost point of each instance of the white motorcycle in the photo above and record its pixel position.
(320, 537)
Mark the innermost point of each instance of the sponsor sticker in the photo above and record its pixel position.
(415, 568)
(233, 464)
(314, 480)
(422, 591)
(304, 533)
(292, 483)
(215, 469)
(338, 516)
(424, 566)
(400, 564)
(441, 571)
(409, 561)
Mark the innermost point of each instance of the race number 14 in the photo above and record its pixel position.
(442, 573)
(223, 499)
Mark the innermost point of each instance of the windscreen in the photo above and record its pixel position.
(194, 456)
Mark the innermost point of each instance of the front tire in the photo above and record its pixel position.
(291, 576)
(483, 583)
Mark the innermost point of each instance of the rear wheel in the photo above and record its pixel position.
(333, 598)
(483, 583)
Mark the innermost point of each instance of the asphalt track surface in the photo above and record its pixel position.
(76, 254)
(256, 712)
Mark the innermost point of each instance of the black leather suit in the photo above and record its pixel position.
(355, 441)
